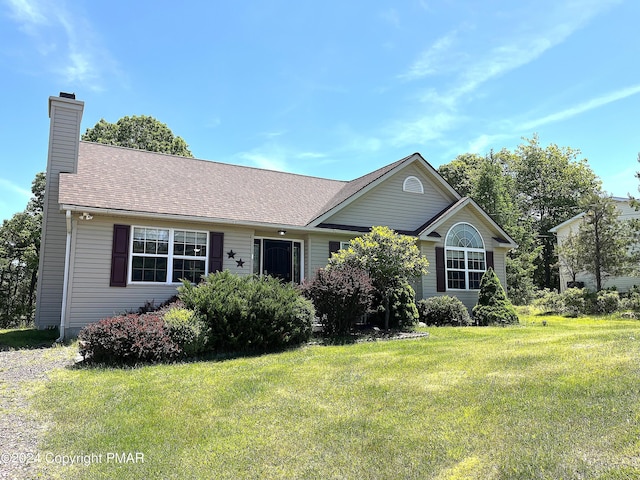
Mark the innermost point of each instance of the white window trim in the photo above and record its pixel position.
(409, 179)
(466, 251)
(292, 240)
(170, 256)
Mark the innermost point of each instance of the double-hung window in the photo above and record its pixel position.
(465, 257)
(166, 255)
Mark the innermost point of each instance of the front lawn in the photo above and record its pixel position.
(521, 402)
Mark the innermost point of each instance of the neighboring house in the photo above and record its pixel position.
(583, 279)
(122, 226)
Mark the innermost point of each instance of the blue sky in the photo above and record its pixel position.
(332, 89)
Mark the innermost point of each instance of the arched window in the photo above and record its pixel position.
(412, 184)
(466, 257)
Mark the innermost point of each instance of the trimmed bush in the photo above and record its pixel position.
(574, 301)
(402, 304)
(249, 314)
(187, 330)
(443, 310)
(549, 301)
(341, 295)
(607, 302)
(128, 339)
(631, 301)
(493, 307)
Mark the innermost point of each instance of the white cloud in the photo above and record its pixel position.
(435, 59)
(581, 108)
(13, 188)
(423, 129)
(515, 47)
(65, 41)
(266, 161)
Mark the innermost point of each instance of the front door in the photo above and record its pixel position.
(277, 259)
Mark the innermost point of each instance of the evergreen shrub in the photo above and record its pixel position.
(443, 310)
(249, 314)
(402, 304)
(493, 307)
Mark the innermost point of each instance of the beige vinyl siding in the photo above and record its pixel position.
(387, 204)
(91, 297)
(62, 157)
(468, 297)
(319, 249)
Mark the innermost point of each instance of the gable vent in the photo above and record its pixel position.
(412, 184)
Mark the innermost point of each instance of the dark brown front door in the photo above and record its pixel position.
(277, 259)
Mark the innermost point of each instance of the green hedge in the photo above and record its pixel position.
(249, 314)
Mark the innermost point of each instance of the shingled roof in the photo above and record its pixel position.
(129, 180)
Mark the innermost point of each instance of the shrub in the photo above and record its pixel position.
(402, 305)
(493, 307)
(549, 301)
(341, 295)
(443, 310)
(129, 338)
(248, 314)
(187, 330)
(574, 301)
(631, 301)
(607, 302)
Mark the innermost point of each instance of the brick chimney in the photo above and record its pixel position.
(65, 113)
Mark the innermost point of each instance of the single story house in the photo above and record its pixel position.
(121, 226)
(583, 279)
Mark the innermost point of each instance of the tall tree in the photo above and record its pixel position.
(19, 251)
(604, 245)
(141, 132)
(527, 191)
(551, 182)
(461, 173)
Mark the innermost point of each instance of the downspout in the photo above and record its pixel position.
(65, 284)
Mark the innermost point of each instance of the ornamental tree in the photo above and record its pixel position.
(389, 258)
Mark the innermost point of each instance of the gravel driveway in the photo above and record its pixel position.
(20, 433)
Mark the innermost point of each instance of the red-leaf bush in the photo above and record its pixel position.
(128, 339)
(341, 295)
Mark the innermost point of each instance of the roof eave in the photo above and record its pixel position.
(196, 219)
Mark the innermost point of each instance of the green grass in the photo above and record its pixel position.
(24, 338)
(522, 402)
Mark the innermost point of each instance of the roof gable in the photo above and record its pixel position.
(450, 213)
(360, 187)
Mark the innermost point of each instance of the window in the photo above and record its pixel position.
(412, 184)
(465, 257)
(163, 255)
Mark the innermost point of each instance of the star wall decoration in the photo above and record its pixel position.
(240, 263)
(231, 254)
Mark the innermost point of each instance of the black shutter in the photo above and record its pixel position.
(216, 251)
(441, 277)
(120, 255)
(333, 248)
(490, 260)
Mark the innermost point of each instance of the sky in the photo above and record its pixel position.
(333, 89)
